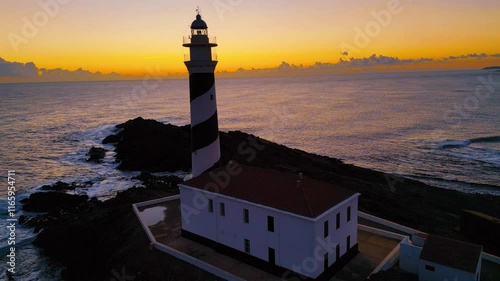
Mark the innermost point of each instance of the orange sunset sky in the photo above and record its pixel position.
(129, 37)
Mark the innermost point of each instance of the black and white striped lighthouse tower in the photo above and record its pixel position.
(201, 62)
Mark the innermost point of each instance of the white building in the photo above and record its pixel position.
(279, 222)
(435, 258)
(276, 221)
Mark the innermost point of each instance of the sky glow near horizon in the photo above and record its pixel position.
(128, 36)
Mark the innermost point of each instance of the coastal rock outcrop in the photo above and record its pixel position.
(162, 182)
(58, 186)
(111, 139)
(96, 154)
(52, 201)
(63, 186)
(108, 237)
(149, 145)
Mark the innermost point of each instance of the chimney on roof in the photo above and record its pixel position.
(418, 239)
(299, 181)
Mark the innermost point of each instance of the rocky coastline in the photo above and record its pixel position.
(97, 240)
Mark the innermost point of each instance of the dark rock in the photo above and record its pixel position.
(96, 154)
(481, 229)
(59, 186)
(107, 237)
(161, 182)
(62, 186)
(111, 139)
(148, 145)
(52, 201)
(23, 219)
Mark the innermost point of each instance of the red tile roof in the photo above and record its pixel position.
(451, 253)
(277, 190)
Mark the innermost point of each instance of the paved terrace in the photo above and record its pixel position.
(162, 223)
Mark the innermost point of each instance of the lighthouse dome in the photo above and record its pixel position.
(198, 23)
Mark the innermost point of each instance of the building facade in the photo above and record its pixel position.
(437, 259)
(265, 218)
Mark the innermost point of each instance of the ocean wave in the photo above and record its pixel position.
(463, 143)
(484, 151)
(454, 184)
(21, 241)
(452, 144)
(488, 156)
(486, 139)
(478, 185)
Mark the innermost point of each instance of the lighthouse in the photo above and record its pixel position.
(201, 62)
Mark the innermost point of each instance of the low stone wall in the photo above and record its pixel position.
(171, 251)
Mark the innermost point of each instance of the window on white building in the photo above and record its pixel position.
(349, 213)
(430, 268)
(348, 242)
(337, 252)
(247, 246)
(246, 216)
(338, 221)
(222, 209)
(210, 205)
(325, 229)
(271, 255)
(325, 262)
(270, 223)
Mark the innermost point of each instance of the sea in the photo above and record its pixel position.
(438, 127)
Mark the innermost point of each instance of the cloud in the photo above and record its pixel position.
(381, 60)
(17, 69)
(284, 66)
(80, 74)
(370, 62)
(29, 72)
(468, 56)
